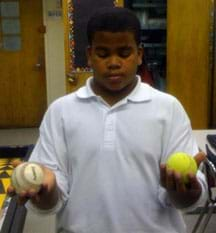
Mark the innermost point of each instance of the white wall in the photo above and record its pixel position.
(54, 51)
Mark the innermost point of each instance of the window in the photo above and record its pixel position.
(10, 32)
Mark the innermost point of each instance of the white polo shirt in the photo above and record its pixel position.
(106, 160)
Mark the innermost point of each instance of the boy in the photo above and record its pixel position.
(101, 147)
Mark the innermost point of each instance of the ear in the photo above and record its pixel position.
(140, 55)
(88, 54)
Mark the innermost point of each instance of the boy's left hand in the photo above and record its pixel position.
(182, 195)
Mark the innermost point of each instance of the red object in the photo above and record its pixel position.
(145, 75)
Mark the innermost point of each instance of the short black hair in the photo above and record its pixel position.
(113, 19)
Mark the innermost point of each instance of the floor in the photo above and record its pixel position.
(41, 224)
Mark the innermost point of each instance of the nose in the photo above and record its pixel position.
(114, 62)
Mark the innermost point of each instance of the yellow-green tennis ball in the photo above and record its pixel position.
(182, 163)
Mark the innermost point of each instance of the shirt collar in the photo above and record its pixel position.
(141, 92)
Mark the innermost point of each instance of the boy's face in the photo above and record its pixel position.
(114, 57)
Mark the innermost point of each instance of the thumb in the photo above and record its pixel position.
(199, 157)
(16, 162)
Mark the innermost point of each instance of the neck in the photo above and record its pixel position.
(113, 97)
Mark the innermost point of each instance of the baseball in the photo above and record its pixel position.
(182, 163)
(27, 175)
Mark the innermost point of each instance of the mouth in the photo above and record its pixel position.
(115, 77)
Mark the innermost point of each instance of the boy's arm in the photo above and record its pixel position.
(181, 195)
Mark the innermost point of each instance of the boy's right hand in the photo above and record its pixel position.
(45, 198)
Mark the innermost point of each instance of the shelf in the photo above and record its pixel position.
(154, 45)
(149, 5)
(153, 20)
(151, 28)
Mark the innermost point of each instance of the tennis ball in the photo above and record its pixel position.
(27, 176)
(182, 163)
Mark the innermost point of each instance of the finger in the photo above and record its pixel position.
(11, 191)
(199, 157)
(23, 197)
(163, 175)
(22, 200)
(194, 183)
(36, 198)
(179, 182)
(170, 180)
(16, 162)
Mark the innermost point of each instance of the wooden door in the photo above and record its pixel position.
(189, 57)
(22, 64)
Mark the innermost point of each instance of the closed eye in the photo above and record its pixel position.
(102, 53)
(125, 52)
